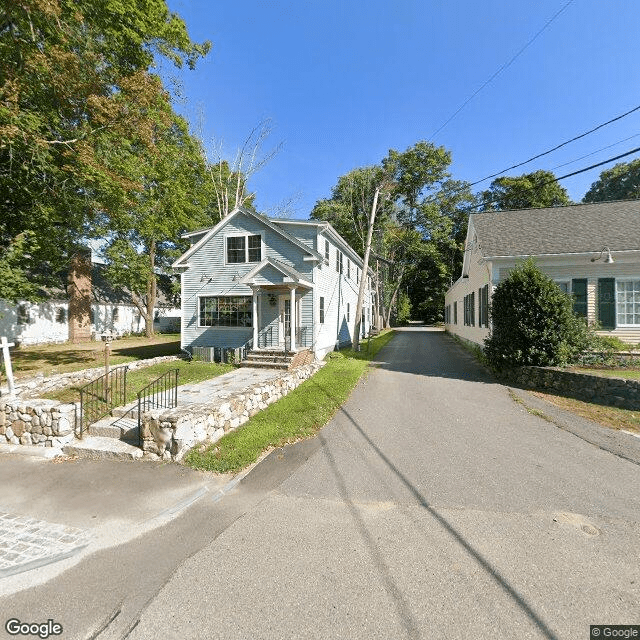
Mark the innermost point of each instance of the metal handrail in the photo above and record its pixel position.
(264, 333)
(100, 396)
(162, 393)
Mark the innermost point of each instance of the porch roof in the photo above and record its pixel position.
(289, 274)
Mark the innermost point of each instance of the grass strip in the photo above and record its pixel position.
(627, 374)
(138, 379)
(49, 359)
(299, 415)
(612, 417)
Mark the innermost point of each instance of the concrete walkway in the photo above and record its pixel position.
(223, 386)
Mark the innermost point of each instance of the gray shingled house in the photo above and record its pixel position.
(591, 250)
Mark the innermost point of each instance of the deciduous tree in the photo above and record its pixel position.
(67, 68)
(528, 191)
(621, 182)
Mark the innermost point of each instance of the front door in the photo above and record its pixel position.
(284, 323)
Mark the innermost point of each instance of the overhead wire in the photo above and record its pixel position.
(593, 153)
(502, 68)
(559, 146)
(557, 179)
(467, 185)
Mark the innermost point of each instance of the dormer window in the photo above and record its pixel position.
(244, 249)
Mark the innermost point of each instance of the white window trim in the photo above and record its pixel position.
(218, 295)
(562, 281)
(617, 281)
(246, 248)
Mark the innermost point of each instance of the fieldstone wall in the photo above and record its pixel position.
(606, 391)
(170, 433)
(47, 423)
(33, 387)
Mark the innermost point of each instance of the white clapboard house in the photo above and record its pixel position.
(591, 250)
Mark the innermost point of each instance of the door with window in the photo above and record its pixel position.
(285, 319)
(284, 328)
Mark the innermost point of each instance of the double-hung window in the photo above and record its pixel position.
(225, 311)
(628, 302)
(244, 249)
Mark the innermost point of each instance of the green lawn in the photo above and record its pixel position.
(299, 415)
(627, 374)
(48, 359)
(138, 379)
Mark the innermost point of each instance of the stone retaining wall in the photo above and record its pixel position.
(607, 391)
(169, 434)
(47, 423)
(33, 387)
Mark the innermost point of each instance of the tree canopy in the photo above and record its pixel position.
(528, 191)
(420, 226)
(74, 82)
(621, 182)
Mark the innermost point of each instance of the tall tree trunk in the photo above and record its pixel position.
(393, 300)
(151, 292)
(365, 272)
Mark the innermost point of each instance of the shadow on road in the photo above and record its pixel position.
(401, 605)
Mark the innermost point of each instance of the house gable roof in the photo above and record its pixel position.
(581, 228)
(182, 261)
(290, 275)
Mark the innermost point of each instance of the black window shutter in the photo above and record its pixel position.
(607, 302)
(579, 291)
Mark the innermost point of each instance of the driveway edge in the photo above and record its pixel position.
(619, 443)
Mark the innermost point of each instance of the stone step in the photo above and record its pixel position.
(270, 352)
(129, 411)
(267, 357)
(119, 429)
(259, 364)
(100, 448)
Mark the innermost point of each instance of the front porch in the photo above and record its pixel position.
(282, 307)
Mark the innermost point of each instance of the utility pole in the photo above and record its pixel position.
(365, 271)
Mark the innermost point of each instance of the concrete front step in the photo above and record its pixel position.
(255, 357)
(119, 429)
(100, 448)
(261, 364)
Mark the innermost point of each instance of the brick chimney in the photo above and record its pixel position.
(79, 290)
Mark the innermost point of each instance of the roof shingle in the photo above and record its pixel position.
(581, 228)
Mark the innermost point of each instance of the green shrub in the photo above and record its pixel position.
(610, 344)
(533, 322)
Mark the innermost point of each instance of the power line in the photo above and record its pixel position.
(593, 153)
(567, 175)
(434, 198)
(559, 146)
(500, 70)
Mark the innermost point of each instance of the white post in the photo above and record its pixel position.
(4, 345)
(255, 317)
(292, 317)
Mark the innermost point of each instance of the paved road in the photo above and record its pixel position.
(436, 507)
(432, 506)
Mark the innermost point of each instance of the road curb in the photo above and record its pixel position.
(619, 443)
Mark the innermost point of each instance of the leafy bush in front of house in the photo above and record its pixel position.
(610, 344)
(533, 322)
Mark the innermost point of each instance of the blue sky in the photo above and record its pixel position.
(343, 82)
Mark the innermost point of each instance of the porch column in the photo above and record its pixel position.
(255, 317)
(293, 318)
